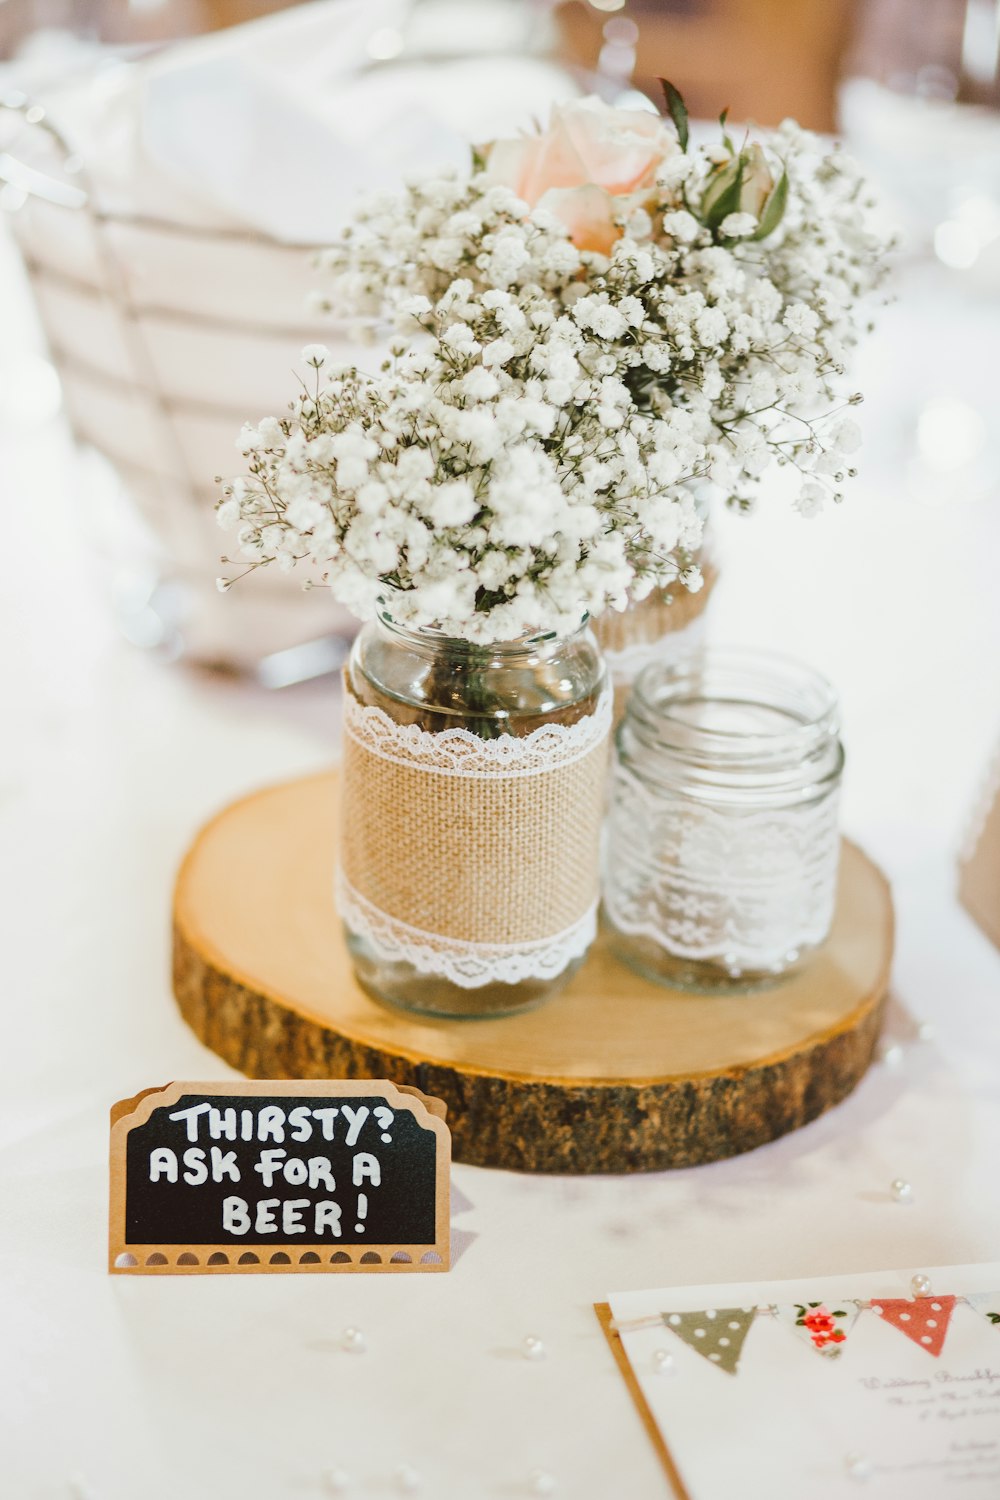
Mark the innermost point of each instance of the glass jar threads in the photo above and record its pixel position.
(473, 790)
(723, 845)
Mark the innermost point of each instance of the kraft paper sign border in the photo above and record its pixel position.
(603, 1311)
(430, 1113)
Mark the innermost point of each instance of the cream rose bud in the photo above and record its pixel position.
(756, 183)
(591, 168)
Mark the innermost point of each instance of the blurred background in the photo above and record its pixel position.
(167, 166)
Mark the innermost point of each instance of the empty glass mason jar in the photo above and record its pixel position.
(473, 791)
(723, 846)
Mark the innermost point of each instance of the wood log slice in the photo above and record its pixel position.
(614, 1074)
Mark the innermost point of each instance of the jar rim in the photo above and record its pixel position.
(432, 636)
(803, 701)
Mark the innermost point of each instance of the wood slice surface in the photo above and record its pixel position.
(614, 1074)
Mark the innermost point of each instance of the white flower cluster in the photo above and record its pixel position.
(527, 453)
(482, 504)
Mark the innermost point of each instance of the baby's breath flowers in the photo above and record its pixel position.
(526, 454)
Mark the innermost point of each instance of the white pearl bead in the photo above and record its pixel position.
(920, 1286)
(859, 1467)
(926, 1031)
(892, 1054)
(663, 1362)
(532, 1347)
(353, 1340)
(541, 1483)
(337, 1481)
(406, 1479)
(901, 1190)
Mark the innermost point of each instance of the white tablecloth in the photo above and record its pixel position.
(237, 1388)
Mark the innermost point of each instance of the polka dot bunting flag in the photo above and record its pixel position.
(717, 1333)
(924, 1320)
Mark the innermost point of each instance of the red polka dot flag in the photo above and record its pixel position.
(924, 1319)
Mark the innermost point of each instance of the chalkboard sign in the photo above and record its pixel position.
(279, 1176)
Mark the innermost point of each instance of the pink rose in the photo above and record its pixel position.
(593, 165)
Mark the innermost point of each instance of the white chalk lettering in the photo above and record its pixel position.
(296, 1171)
(301, 1124)
(194, 1161)
(162, 1163)
(328, 1217)
(366, 1165)
(246, 1124)
(321, 1173)
(191, 1117)
(224, 1165)
(271, 1122)
(270, 1165)
(266, 1222)
(222, 1122)
(291, 1215)
(235, 1216)
(357, 1118)
(326, 1118)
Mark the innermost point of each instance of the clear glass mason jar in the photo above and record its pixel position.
(465, 769)
(666, 624)
(723, 846)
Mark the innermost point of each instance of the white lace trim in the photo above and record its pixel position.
(626, 664)
(743, 888)
(468, 965)
(458, 752)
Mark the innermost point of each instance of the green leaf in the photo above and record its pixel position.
(715, 209)
(677, 110)
(773, 211)
(478, 160)
(727, 140)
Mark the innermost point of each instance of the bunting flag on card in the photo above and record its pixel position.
(823, 1325)
(987, 1303)
(717, 1333)
(924, 1319)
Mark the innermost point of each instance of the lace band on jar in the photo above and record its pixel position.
(470, 858)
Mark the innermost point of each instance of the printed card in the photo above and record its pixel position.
(817, 1388)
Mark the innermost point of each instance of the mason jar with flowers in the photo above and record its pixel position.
(587, 322)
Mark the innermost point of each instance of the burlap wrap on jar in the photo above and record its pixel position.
(472, 859)
(658, 628)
